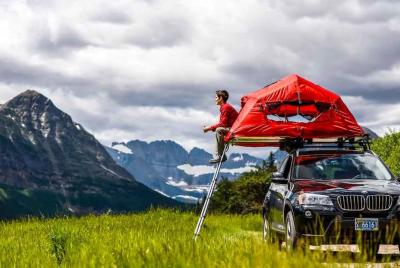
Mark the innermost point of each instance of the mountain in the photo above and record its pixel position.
(371, 133)
(52, 165)
(168, 168)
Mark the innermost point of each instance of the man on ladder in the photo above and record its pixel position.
(227, 117)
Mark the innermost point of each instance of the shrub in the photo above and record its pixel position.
(244, 195)
(388, 148)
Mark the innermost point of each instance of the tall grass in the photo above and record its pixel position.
(159, 238)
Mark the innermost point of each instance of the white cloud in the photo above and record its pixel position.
(148, 69)
(378, 117)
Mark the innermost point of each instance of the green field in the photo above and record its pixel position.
(158, 238)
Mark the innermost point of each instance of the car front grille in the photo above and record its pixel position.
(360, 202)
(379, 202)
(351, 202)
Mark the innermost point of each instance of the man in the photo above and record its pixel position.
(227, 117)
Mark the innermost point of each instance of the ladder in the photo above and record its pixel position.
(209, 195)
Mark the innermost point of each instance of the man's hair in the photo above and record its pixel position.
(222, 93)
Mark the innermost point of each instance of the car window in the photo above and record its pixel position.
(283, 165)
(287, 167)
(340, 167)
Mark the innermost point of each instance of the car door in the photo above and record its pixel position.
(277, 198)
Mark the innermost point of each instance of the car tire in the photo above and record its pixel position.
(267, 234)
(291, 236)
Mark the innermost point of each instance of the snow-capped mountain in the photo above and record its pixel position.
(168, 168)
(51, 165)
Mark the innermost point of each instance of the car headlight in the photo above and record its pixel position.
(314, 199)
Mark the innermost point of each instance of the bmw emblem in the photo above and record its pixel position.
(364, 192)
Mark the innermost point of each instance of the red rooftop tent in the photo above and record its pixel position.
(266, 114)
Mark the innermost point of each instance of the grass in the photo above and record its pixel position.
(159, 238)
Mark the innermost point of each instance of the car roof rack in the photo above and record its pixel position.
(351, 143)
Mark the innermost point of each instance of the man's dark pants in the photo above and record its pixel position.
(220, 133)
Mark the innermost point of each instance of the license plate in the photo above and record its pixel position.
(366, 224)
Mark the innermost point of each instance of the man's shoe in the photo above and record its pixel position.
(217, 160)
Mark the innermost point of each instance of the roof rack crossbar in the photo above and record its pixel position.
(348, 143)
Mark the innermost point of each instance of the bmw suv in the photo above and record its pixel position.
(325, 194)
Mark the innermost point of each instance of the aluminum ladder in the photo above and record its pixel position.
(209, 195)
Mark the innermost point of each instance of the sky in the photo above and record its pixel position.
(148, 69)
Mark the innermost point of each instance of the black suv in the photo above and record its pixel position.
(324, 194)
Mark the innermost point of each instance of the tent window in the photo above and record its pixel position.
(296, 118)
(295, 111)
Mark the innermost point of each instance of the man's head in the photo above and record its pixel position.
(221, 97)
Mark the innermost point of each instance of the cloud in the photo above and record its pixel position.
(117, 15)
(149, 69)
(63, 41)
(352, 11)
(159, 32)
(378, 116)
(14, 71)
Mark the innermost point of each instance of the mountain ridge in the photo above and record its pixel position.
(167, 167)
(44, 151)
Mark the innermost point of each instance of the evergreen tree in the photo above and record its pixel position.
(271, 160)
(243, 195)
(388, 148)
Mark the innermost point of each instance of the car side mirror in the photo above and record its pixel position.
(277, 177)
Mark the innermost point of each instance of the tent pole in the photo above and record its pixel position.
(209, 195)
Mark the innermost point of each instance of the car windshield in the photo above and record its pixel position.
(340, 167)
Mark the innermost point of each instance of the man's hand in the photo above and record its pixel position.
(206, 129)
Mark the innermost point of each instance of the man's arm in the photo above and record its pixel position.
(223, 121)
(206, 129)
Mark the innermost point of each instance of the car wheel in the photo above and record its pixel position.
(270, 236)
(291, 237)
(267, 236)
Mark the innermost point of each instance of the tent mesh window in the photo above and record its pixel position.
(295, 111)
